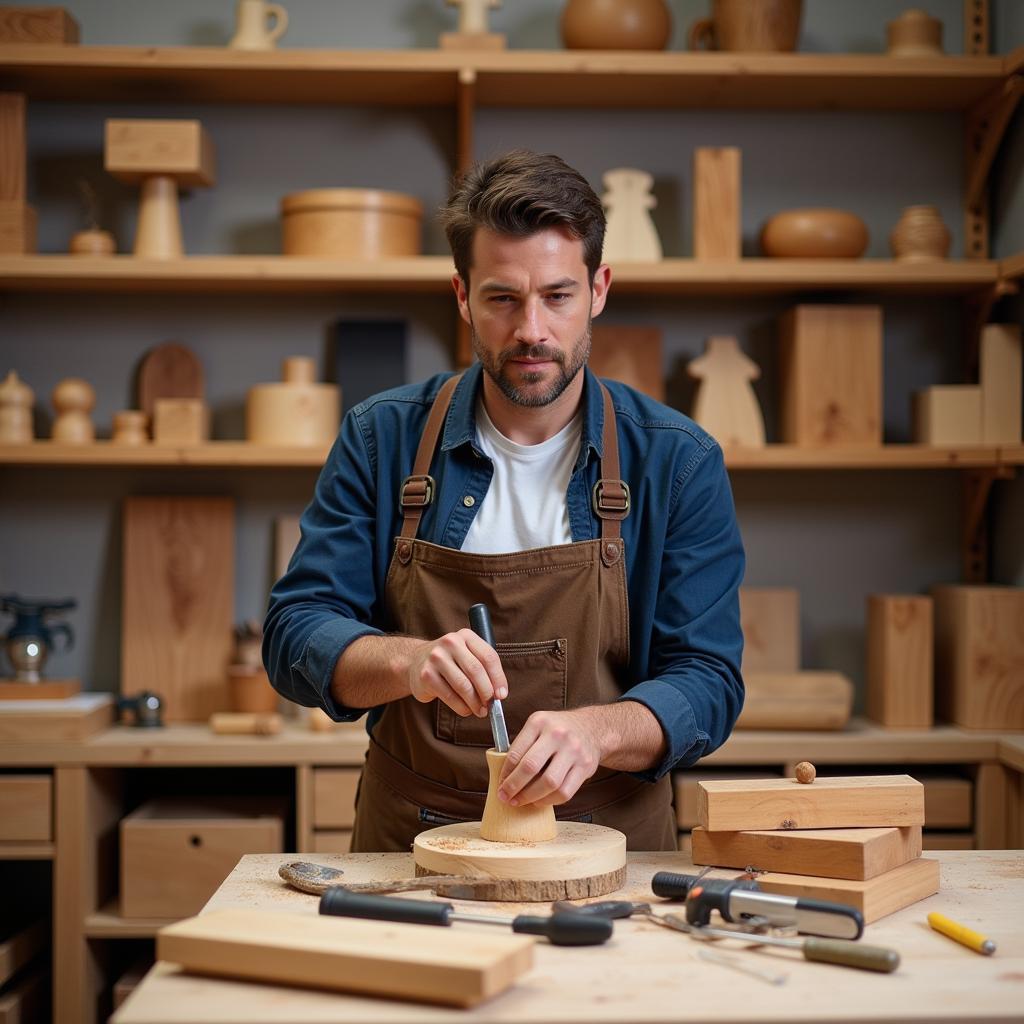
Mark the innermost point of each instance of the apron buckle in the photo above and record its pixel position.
(611, 499)
(417, 492)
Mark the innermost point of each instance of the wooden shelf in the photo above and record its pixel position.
(1012, 268)
(107, 923)
(26, 851)
(243, 455)
(513, 78)
(195, 274)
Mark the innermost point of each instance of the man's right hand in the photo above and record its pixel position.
(460, 669)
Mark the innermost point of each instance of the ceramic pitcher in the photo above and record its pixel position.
(259, 25)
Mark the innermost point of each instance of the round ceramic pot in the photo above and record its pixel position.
(616, 24)
(814, 233)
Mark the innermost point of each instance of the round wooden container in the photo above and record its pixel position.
(351, 224)
(295, 412)
(814, 234)
(250, 689)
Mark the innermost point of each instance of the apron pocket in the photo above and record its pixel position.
(536, 674)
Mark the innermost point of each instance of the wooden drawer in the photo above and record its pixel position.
(334, 797)
(26, 808)
(947, 802)
(174, 855)
(334, 841)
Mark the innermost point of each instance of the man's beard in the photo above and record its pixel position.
(494, 368)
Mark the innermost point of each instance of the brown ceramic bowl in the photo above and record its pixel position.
(814, 233)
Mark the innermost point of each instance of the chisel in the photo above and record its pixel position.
(558, 929)
(480, 623)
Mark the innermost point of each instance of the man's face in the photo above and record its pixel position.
(529, 305)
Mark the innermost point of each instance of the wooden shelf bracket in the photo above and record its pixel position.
(977, 487)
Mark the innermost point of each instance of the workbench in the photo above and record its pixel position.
(647, 973)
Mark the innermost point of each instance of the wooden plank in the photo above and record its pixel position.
(853, 853)
(12, 147)
(47, 689)
(448, 967)
(991, 802)
(334, 797)
(178, 602)
(26, 808)
(1001, 386)
(687, 798)
(796, 700)
(900, 677)
(844, 802)
(947, 802)
(716, 203)
(875, 897)
(770, 617)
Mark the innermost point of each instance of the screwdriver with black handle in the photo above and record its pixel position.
(559, 929)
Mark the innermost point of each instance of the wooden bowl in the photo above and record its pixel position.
(814, 233)
(351, 224)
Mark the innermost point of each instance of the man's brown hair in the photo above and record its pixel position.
(520, 194)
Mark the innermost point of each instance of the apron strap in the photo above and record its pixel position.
(610, 499)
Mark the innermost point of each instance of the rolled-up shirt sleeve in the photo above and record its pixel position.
(327, 597)
(695, 689)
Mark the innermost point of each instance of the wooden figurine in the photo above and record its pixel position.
(1000, 377)
(725, 405)
(74, 399)
(259, 25)
(630, 235)
(170, 370)
(472, 33)
(948, 414)
(37, 26)
(716, 203)
(503, 823)
(17, 218)
(161, 155)
(16, 400)
(130, 427)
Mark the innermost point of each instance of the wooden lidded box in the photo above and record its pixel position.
(175, 853)
(351, 223)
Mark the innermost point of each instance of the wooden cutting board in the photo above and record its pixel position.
(169, 371)
(178, 602)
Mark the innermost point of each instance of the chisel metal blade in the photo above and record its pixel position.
(498, 729)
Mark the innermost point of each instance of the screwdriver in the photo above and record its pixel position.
(559, 929)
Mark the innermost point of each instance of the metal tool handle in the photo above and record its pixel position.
(480, 623)
(341, 903)
(851, 954)
(566, 929)
(834, 920)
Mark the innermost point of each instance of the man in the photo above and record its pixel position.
(596, 524)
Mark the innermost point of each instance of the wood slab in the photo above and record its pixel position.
(874, 898)
(900, 677)
(845, 802)
(582, 860)
(453, 967)
(632, 355)
(770, 617)
(169, 371)
(684, 786)
(37, 721)
(854, 853)
(717, 225)
(48, 689)
(796, 700)
(178, 602)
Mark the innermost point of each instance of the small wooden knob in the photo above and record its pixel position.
(805, 772)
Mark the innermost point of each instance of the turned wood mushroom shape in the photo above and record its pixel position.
(161, 156)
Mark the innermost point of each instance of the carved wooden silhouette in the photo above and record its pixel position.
(630, 235)
(726, 406)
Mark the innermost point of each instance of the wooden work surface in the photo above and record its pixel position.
(647, 973)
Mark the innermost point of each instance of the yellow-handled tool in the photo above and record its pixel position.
(961, 933)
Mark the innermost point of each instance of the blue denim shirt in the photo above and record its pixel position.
(684, 556)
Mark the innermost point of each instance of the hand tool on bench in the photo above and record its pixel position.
(741, 901)
(828, 951)
(480, 623)
(316, 879)
(559, 929)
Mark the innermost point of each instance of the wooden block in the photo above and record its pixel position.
(855, 853)
(948, 802)
(334, 841)
(12, 145)
(47, 689)
(979, 656)
(178, 602)
(948, 414)
(685, 843)
(137, 149)
(796, 700)
(174, 854)
(831, 375)
(631, 355)
(26, 1001)
(334, 797)
(41, 26)
(875, 897)
(452, 967)
(900, 677)
(181, 421)
(17, 229)
(26, 808)
(770, 617)
(948, 841)
(716, 203)
(686, 794)
(58, 721)
(490, 41)
(1001, 388)
(864, 801)
(20, 946)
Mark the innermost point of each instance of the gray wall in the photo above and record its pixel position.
(836, 536)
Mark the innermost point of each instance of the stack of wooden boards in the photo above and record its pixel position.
(854, 840)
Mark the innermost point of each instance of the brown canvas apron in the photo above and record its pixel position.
(561, 622)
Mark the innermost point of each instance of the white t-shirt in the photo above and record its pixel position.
(525, 505)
